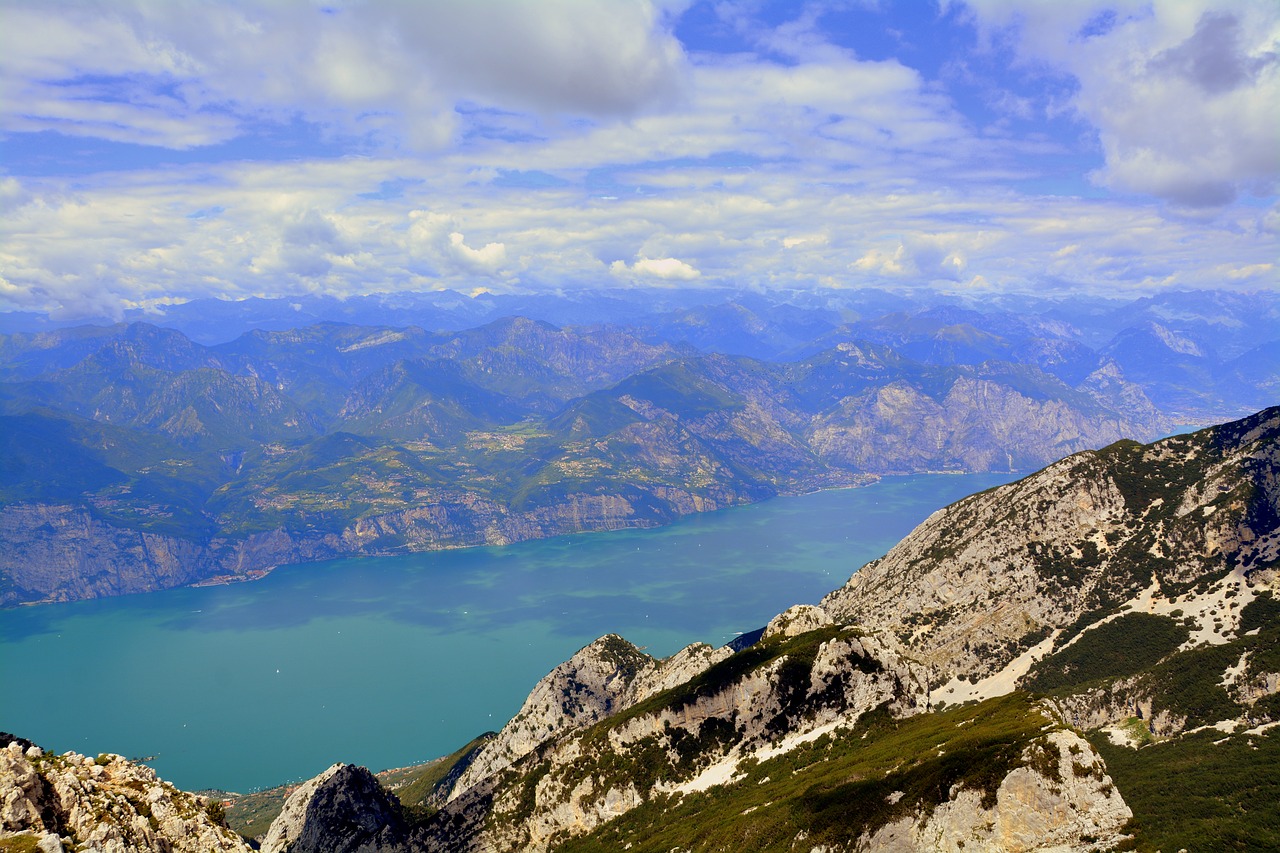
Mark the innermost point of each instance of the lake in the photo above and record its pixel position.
(389, 661)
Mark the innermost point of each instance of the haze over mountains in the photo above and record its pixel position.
(137, 458)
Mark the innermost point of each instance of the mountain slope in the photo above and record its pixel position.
(1023, 672)
(943, 618)
(988, 577)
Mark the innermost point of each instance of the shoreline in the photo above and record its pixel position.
(256, 574)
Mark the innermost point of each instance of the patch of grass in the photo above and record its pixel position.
(418, 788)
(250, 815)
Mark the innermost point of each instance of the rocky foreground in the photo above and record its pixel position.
(103, 803)
(1029, 670)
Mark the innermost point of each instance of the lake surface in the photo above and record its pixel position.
(392, 660)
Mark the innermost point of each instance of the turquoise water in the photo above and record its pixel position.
(388, 661)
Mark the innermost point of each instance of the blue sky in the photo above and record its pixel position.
(162, 150)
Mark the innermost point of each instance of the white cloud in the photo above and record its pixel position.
(1183, 93)
(198, 73)
(300, 227)
(666, 269)
(823, 170)
(488, 259)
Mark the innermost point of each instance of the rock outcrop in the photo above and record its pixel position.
(604, 678)
(1062, 800)
(106, 804)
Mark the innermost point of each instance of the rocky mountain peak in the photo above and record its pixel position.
(343, 810)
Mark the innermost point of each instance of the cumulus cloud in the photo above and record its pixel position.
(1183, 93)
(488, 259)
(435, 238)
(797, 166)
(665, 269)
(928, 258)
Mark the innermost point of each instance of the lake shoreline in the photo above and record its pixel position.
(239, 687)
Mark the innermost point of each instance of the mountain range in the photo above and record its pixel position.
(1085, 659)
(137, 458)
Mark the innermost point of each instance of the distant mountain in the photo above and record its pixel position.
(1087, 659)
(191, 462)
(241, 452)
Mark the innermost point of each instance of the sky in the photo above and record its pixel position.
(157, 151)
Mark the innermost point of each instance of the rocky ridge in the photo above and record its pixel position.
(105, 804)
(982, 581)
(342, 809)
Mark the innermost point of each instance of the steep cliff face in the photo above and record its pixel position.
(979, 424)
(107, 804)
(61, 553)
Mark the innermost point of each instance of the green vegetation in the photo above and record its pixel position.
(839, 786)
(800, 652)
(1124, 646)
(20, 844)
(1204, 791)
(250, 815)
(419, 788)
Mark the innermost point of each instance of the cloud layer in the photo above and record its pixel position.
(179, 149)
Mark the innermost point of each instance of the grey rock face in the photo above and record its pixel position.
(603, 678)
(343, 810)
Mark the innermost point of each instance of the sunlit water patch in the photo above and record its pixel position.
(387, 661)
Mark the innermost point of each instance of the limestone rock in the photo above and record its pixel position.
(602, 678)
(105, 804)
(797, 620)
